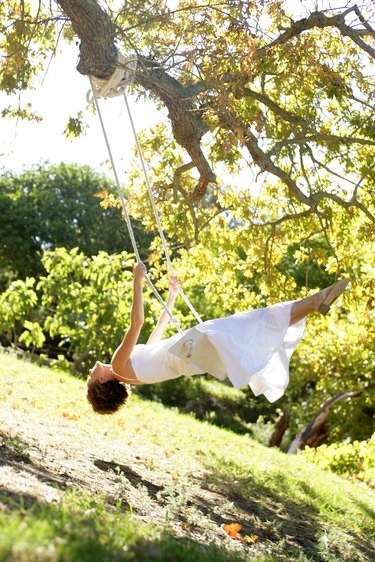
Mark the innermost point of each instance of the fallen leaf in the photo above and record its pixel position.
(250, 539)
(70, 416)
(232, 529)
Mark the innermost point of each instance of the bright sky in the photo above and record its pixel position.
(62, 94)
(59, 95)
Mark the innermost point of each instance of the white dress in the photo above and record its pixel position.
(255, 348)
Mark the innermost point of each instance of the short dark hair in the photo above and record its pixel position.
(107, 398)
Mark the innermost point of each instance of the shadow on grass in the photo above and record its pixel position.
(90, 532)
(272, 514)
(20, 461)
(284, 521)
(203, 397)
(28, 483)
(14, 501)
(134, 478)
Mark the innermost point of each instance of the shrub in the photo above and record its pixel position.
(356, 459)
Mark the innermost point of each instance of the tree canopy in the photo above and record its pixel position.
(50, 206)
(264, 172)
(247, 84)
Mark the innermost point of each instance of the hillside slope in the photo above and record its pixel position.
(151, 484)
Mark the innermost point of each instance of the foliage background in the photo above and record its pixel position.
(260, 95)
(79, 309)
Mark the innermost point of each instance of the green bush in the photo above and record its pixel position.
(16, 305)
(356, 459)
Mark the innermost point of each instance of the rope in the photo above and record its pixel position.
(173, 319)
(156, 212)
(116, 85)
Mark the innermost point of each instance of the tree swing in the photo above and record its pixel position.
(193, 345)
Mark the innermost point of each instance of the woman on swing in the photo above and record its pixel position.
(253, 347)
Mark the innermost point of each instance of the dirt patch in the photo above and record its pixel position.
(39, 461)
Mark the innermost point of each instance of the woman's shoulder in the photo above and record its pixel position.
(138, 348)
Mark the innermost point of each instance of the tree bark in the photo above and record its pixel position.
(96, 32)
(98, 58)
(280, 429)
(317, 431)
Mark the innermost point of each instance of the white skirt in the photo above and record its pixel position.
(254, 346)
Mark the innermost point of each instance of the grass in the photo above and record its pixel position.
(150, 483)
(82, 529)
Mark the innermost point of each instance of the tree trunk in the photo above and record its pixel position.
(317, 431)
(280, 429)
(98, 58)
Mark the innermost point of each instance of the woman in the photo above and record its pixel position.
(252, 347)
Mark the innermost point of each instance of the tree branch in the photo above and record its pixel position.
(346, 204)
(287, 115)
(177, 175)
(325, 167)
(320, 20)
(320, 138)
(176, 186)
(263, 160)
(97, 34)
(284, 218)
(187, 123)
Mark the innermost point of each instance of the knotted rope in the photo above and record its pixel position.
(116, 85)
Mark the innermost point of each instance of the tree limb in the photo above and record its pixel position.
(96, 32)
(177, 175)
(320, 20)
(316, 432)
(284, 218)
(346, 204)
(187, 124)
(287, 115)
(320, 138)
(263, 160)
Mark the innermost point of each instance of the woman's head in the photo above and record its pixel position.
(104, 392)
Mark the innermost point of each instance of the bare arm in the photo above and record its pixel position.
(122, 354)
(158, 332)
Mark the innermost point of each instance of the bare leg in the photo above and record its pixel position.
(303, 307)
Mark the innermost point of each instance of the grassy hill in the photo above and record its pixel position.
(151, 484)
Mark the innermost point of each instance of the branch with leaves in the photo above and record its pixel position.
(286, 85)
